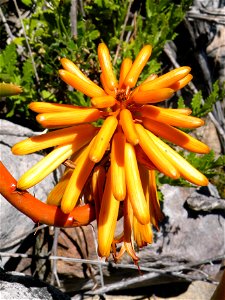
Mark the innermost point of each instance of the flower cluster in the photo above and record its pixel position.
(114, 165)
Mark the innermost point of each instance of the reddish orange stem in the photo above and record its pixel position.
(41, 212)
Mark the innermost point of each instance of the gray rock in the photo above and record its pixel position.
(193, 237)
(13, 223)
(185, 234)
(200, 202)
(16, 285)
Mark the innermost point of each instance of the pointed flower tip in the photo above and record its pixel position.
(9, 89)
(25, 182)
(16, 149)
(62, 72)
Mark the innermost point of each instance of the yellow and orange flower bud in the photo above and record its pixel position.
(125, 68)
(117, 166)
(134, 186)
(155, 154)
(45, 166)
(68, 118)
(88, 88)
(77, 180)
(106, 66)
(103, 101)
(137, 66)
(127, 124)
(170, 117)
(107, 219)
(166, 80)
(175, 136)
(79, 135)
(103, 138)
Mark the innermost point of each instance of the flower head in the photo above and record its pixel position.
(114, 165)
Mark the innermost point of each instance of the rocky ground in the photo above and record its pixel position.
(184, 262)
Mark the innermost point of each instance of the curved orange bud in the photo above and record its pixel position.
(69, 66)
(155, 154)
(181, 83)
(106, 66)
(166, 80)
(125, 68)
(134, 186)
(67, 118)
(103, 138)
(127, 123)
(45, 107)
(170, 117)
(152, 96)
(137, 66)
(88, 88)
(175, 136)
(117, 165)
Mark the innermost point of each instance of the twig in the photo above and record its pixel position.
(123, 31)
(206, 17)
(83, 252)
(73, 18)
(172, 272)
(27, 42)
(82, 8)
(133, 24)
(7, 28)
(213, 11)
(54, 263)
(175, 268)
(96, 248)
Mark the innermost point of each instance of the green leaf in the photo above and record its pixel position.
(196, 103)
(199, 108)
(27, 72)
(27, 2)
(180, 103)
(8, 60)
(93, 35)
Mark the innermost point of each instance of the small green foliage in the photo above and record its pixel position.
(8, 61)
(27, 2)
(200, 108)
(48, 30)
(212, 167)
(180, 103)
(208, 164)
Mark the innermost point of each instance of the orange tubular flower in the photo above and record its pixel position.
(114, 165)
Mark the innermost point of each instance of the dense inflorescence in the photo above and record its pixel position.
(113, 165)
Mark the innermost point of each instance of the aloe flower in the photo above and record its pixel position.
(114, 165)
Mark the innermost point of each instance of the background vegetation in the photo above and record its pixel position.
(36, 34)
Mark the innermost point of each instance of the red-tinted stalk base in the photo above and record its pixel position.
(41, 212)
